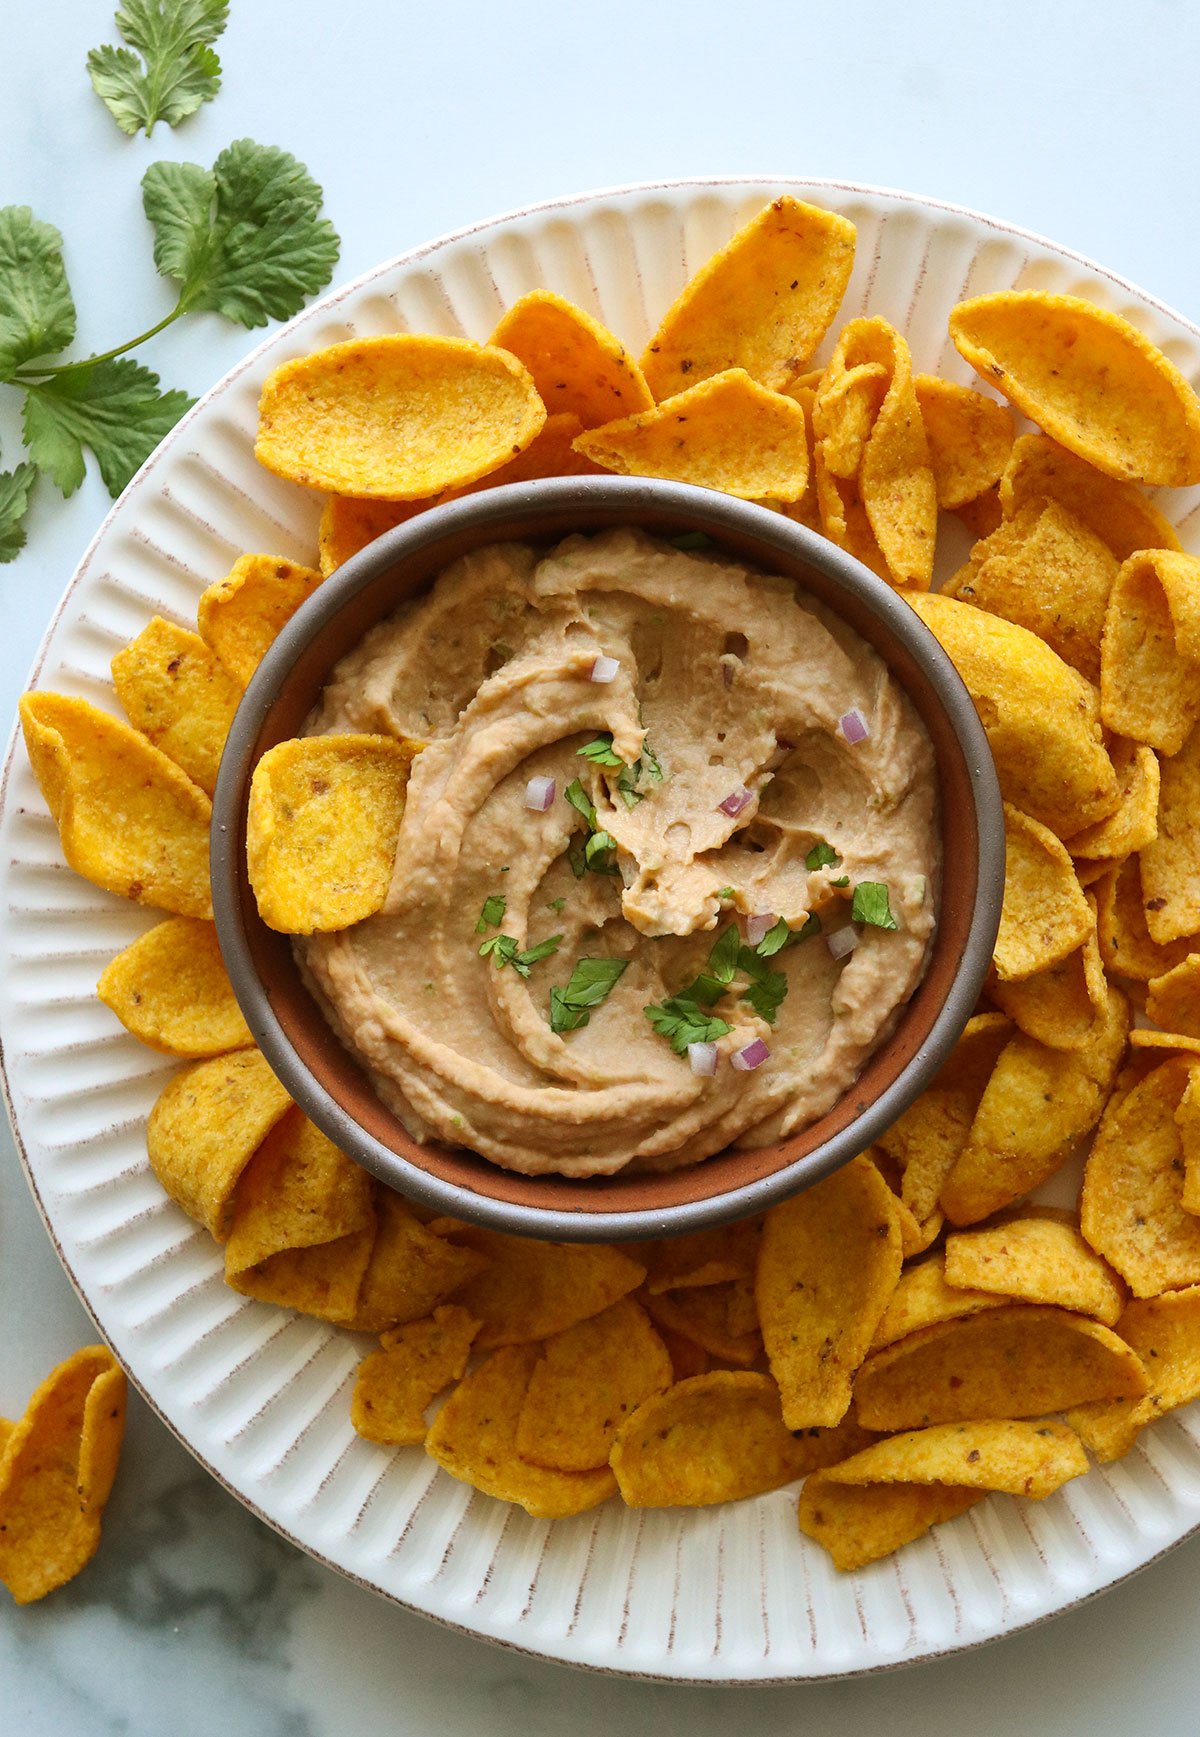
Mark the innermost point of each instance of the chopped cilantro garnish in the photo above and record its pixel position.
(692, 540)
(597, 845)
(589, 983)
(492, 914)
(776, 938)
(646, 766)
(726, 893)
(555, 904)
(871, 905)
(600, 752)
(767, 988)
(579, 799)
(822, 855)
(682, 1021)
(504, 951)
(710, 985)
(842, 881)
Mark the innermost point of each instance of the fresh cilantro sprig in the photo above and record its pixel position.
(504, 950)
(647, 767)
(598, 852)
(492, 913)
(871, 905)
(178, 69)
(821, 856)
(767, 988)
(589, 983)
(682, 1021)
(600, 751)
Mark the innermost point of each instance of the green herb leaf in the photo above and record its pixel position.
(15, 486)
(776, 938)
(503, 950)
(579, 799)
(600, 752)
(37, 314)
(596, 846)
(180, 71)
(692, 540)
(243, 240)
(842, 881)
(590, 982)
(646, 766)
(726, 893)
(710, 985)
(543, 950)
(492, 913)
(114, 408)
(555, 905)
(682, 1021)
(822, 855)
(564, 1017)
(871, 905)
(767, 988)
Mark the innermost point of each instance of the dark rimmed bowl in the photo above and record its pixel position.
(328, 1083)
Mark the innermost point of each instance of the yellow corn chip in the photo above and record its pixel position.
(858, 1525)
(1187, 1120)
(129, 820)
(323, 1280)
(179, 696)
(206, 1126)
(842, 517)
(1150, 677)
(1065, 1005)
(1038, 1256)
(705, 1257)
(923, 1299)
(1131, 1208)
(396, 418)
(169, 988)
(587, 1381)
(348, 525)
(687, 1358)
(1135, 822)
(1125, 944)
(1045, 915)
(970, 437)
(915, 1234)
(982, 516)
(1018, 1361)
(1165, 1333)
(241, 615)
(846, 403)
(57, 1466)
(829, 1262)
(702, 1314)
(393, 1386)
(716, 1438)
(1173, 1000)
(727, 433)
(474, 1436)
(1163, 1040)
(1091, 380)
(762, 303)
(321, 829)
(1042, 719)
(410, 1270)
(529, 1290)
(1170, 863)
(576, 363)
(1118, 512)
(296, 1192)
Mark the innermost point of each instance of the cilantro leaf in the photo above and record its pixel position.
(822, 855)
(726, 893)
(711, 984)
(492, 914)
(14, 500)
(589, 983)
(543, 950)
(243, 240)
(180, 70)
(601, 752)
(775, 939)
(564, 1017)
(37, 314)
(767, 987)
(871, 905)
(503, 950)
(647, 765)
(579, 799)
(682, 1021)
(114, 408)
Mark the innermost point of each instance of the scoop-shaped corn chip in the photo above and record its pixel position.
(1165, 1333)
(1187, 1120)
(1170, 863)
(179, 695)
(687, 1358)
(727, 433)
(206, 1126)
(928, 1138)
(1042, 719)
(321, 829)
(762, 303)
(169, 988)
(1061, 1006)
(57, 1466)
(393, 1386)
(1016, 1361)
(871, 1504)
(1038, 1256)
(396, 418)
(1037, 1103)
(577, 365)
(827, 1267)
(1045, 570)
(323, 1280)
(474, 1436)
(297, 1191)
(1150, 675)
(588, 1380)
(894, 474)
(915, 1234)
(970, 438)
(410, 1270)
(129, 820)
(705, 1257)
(1091, 380)
(923, 1299)
(529, 1290)
(241, 615)
(716, 1438)
(1117, 512)
(842, 517)
(348, 525)
(1125, 943)
(1173, 1000)
(1131, 1207)
(982, 516)
(1134, 822)
(711, 1317)
(1044, 915)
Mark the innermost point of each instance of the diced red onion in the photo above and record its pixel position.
(736, 801)
(782, 742)
(727, 672)
(604, 669)
(703, 1057)
(854, 726)
(753, 1056)
(539, 794)
(842, 941)
(757, 926)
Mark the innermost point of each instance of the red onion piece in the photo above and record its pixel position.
(757, 926)
(604, 669)
(854, 726)
(539, 794)
(842, 941)
(703, 1057)
(727, 672)
(753, 1056)
(736, 801)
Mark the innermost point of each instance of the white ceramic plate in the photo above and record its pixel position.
(731, 1594)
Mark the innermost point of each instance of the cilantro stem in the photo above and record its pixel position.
(45, 373)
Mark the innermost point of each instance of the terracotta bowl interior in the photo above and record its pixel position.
(325, 1078)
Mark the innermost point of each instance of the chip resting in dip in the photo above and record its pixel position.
(668, 862)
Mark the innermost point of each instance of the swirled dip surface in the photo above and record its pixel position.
(735, 686)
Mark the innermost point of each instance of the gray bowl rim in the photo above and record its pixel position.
(696, 509)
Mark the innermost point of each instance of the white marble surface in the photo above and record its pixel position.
(1063, 116)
